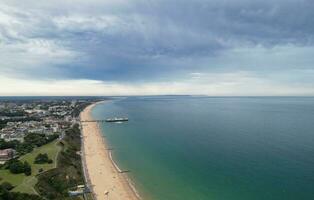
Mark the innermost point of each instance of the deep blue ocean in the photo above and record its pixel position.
(214, 148)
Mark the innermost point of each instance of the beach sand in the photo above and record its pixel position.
(101, 172)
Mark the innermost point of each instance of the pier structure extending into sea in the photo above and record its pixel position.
(99, 120)
(116, 119)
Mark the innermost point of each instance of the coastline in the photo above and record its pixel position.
(100, 170)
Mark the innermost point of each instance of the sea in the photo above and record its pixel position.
(214, 148)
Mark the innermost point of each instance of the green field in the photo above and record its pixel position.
(26, 183)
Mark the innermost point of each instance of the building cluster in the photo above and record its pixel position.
(43, 117)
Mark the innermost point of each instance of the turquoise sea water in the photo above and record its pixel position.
(222, 148)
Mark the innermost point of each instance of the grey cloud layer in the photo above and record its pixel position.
(145, 40)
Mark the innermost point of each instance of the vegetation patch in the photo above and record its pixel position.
(16, 166)
(25, 183)
(55, 183)
(31, 141)
(6, 194)
(43, 158)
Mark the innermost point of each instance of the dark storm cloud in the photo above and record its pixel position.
(145, 40)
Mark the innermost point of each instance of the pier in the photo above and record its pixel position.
(99, 120)
(116, 119)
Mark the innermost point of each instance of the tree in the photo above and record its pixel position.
(24, 148)
(10, 144)
(41, 158)
(35, 139)
(5, 194)
(6, 185)
(27, 169)
(16, 167)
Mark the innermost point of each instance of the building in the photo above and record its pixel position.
(6, 154)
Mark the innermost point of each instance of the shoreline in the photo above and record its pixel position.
(100, 170)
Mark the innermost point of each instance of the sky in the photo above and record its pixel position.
(150, 47)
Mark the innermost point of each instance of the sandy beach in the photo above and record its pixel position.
(101, 171)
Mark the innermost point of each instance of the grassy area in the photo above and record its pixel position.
(26, 183)
(51, 149)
